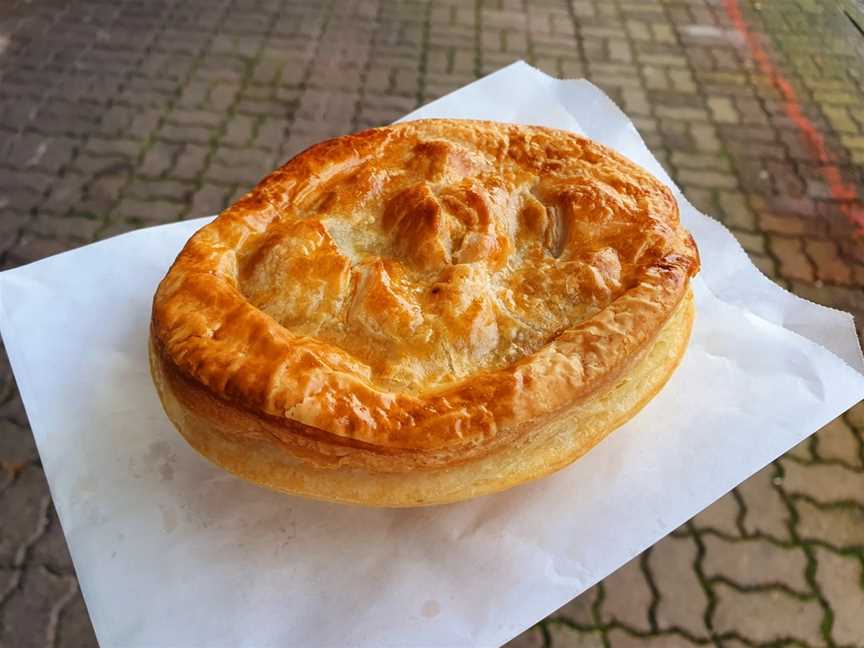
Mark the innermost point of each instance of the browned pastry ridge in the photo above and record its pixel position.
(408, 314)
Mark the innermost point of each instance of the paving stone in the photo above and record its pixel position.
(767, 616)
(723, 110)
(117, 226)
(50, 549)
(721, 516)
(711, 179)
(766, 511)
(841, 581)
(209, 199)
(159, 158)
(270, 133)
(755, 562)
(823, 482)
(531, 638)
(148, 211)
(628, 597)
(699, 161)
(841, 527)
(97, 166)
(190, 162)
(581, 609)
(752, 242)
(187, 117)
(171, 190)
(193, 95)
(73, 628)
(26, 618)
(9, 579)
(855, 416)
(70, 228)
(144, 123)
(766, 265)
(24, 502)
(229, 174)
(33, 248)
(793, 263)
(239, 130)
(621, 639)
(103, 193)
(790, 225)
(785, 178)
(48, 153)
(802, 451)
(838, 441)
(183, 134)
(735, 211)
(64, 192)
(683, 602)
(566, 637)
(828, 264)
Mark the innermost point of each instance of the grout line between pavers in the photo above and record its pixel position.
(645, 567)
(708, 617)
(818, 460)
(52, 630)
(24, 549)
(840, 504)
(810, 569)
(775, 586)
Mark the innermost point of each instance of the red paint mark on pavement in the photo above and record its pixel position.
(840, 190)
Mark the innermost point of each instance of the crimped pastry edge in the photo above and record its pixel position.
(555, 444)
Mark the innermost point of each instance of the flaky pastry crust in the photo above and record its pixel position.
(421, 296)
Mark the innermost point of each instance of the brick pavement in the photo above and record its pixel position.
(117, 115)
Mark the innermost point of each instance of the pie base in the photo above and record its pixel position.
(552, 445)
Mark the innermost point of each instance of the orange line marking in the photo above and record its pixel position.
(840, 190)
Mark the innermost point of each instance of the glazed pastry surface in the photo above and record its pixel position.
(423, 294)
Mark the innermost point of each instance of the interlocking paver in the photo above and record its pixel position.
(190, 162)
(563, 636)
(159, 159)
(209, 199)
(28, 618)
(793, 262)
(9, 579)
(754, 563)
(838, 441)
(23, 501)
(628, 597)
(683, 601)
(765, 510)
(839, 526)
(73, 625)
(581, 609)
(823, 482)
(532, 638)
(50, 548)
(767, 616)
(841, 580)
(139, 113)
(721, 516)
(622, 639)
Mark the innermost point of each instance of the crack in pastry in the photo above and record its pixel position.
(421, 297)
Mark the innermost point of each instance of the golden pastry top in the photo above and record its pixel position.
(429, 284)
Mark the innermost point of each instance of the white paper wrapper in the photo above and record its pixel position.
(172, 551)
